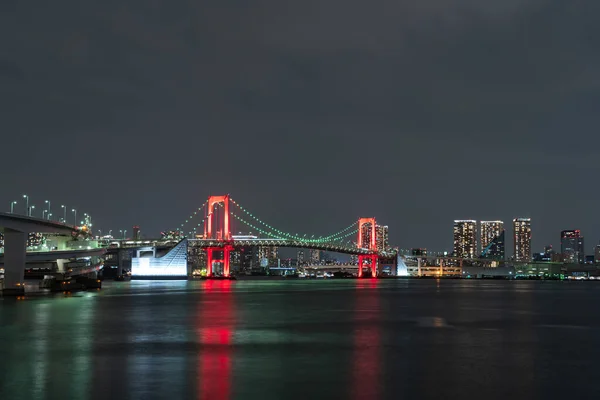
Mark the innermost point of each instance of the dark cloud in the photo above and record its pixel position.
(312, 113)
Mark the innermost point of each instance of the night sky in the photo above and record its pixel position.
(309, 113)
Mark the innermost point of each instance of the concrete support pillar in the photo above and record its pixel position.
(15, 247)
(419, 261)
(121, 257)
(60, 263)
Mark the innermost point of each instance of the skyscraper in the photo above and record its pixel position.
(381, 237)
(522, 239)
(492, 240)
(267, 255)
(300, 258)
(571, 247)
(465, 238)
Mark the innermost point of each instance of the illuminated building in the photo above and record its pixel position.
(492, 240)
(418, 252)
(267, 255)
(465, 238)
(315, 256)
(300, 258)
(571, 247)
(136, 233)
(381, 236)
(172, 264)
(548, 255)
(522, 239)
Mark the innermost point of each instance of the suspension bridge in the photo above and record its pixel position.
(217, 239)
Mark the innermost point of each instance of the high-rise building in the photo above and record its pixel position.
(315, 256)
(571, 247)
(136, 233)
(381, 237)
(492, 240)
(597, 254)
(268, 255)
(300, 257)
(465, 238)
(522, 239)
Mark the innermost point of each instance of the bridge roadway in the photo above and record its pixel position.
(16, 229)
(203, 243)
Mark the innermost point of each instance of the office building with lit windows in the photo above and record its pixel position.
(268, 255)
(492, 240)
(571, 247)
(300, 258)
(522, 239)
(465, 238)
(315, 256)
(381, 237)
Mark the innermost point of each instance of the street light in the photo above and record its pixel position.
(31, 210)
(49, 205)
(44, 213)
(64, 213)
(88, 219)
(12, 206)
(125, 234)
(74, 211)
(121, 231)
(26, 204)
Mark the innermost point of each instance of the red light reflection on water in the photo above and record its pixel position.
(367, 336)
(214, 329)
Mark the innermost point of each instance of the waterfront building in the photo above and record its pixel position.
(548, 255)
(465, 238)
(421, 252)
(381, 237)
(492, 240)
(522, 239)
(315, 256)
(300, 258)
(571, 247)
(268, 255)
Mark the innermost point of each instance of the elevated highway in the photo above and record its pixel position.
(16, 229)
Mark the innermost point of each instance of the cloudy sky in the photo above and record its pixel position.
(309, 113)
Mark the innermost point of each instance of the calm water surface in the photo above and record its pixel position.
(388, 339)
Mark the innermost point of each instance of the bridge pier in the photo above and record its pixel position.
(15, 247)
(210, 259)
(361, 262)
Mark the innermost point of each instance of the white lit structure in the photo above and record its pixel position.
(172, 264)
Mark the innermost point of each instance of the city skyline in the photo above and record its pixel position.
(382, 236)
